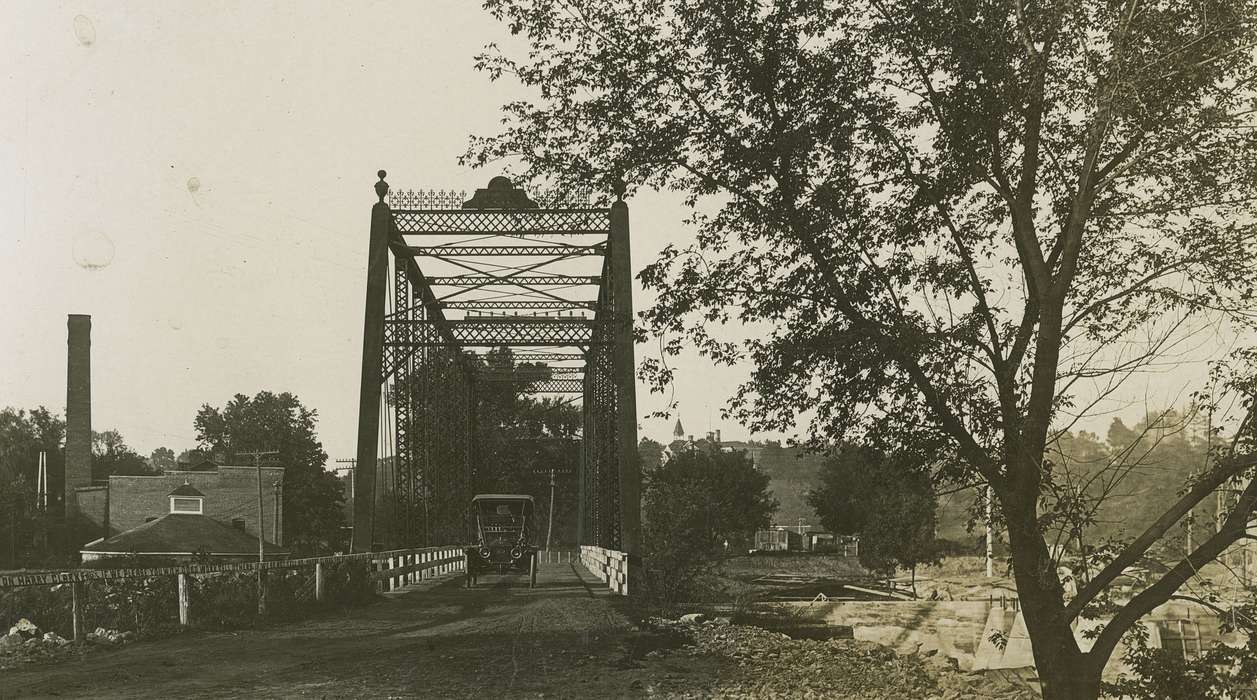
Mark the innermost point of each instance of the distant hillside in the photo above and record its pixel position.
(793, 473)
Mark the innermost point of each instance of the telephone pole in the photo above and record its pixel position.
(550, 524)
(353, 465)
(990, 533)
(553, 484)
(257, 463)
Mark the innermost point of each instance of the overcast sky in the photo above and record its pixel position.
(198, 178)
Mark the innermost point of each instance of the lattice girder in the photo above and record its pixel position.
(428, 337)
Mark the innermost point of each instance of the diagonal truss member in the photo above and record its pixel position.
(497, 272)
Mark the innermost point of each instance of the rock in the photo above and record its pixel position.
(721, 621)
(693, 618)
(26, 628)
(54, 638)
(10, 642)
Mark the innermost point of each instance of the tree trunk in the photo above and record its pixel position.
(1065, 673)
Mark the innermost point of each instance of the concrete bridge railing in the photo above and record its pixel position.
(608, 566)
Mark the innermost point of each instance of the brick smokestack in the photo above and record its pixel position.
(78, 411)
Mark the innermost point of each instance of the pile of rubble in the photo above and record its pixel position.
(772, 664)
(25, 643)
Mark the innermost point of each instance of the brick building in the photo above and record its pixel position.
(231, 498)
(183, 533)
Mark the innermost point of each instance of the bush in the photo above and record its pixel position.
(692, 505)
(150, 606)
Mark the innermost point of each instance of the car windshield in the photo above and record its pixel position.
(503, 516)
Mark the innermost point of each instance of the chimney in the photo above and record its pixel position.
(78, 410)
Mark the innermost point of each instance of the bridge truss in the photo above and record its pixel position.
(447, 282)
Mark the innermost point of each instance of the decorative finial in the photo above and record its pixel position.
(619, 187)
(381, 187)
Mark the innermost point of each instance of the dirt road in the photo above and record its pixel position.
(436, 639)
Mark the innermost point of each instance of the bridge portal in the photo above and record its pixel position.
(450, 278)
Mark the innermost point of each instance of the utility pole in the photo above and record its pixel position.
(257, 463)
(353, 464)
(553, 486)
(990, 533)
(550, 524)
(41, 479)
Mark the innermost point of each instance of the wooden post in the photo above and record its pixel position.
(261, 592)
(76, 610)
(319, 591)
(183, 599)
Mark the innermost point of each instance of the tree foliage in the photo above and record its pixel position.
(691, 506)
(162, 459)
(23, 435)
(965, 223)
(112, 455)
(887, 500)
(312, 497)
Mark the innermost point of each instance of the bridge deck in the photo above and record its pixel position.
(433, 639)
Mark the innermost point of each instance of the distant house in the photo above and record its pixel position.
(804, 538)
(182, 534)
(778, 538)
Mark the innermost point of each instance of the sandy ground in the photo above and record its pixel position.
(563, 639)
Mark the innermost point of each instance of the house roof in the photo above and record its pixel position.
(187, 490)
(182, 533)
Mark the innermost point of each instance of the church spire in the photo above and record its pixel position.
(678, 432)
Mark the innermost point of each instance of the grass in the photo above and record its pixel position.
(824, 566)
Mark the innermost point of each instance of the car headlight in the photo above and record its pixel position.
(484, 552)
(516, 553)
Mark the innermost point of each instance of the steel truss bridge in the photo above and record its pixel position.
(450, 280)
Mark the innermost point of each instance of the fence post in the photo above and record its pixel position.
(261, 591)
(183, 599)
(318, 581)
(76, 610)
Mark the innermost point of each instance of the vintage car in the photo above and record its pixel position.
(506, 538)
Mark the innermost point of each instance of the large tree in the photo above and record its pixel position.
(965, 221)
(695, 507)
(887, 500)
(312, 496)
(23, 435)
(112, 455)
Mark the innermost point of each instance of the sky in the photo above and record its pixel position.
(198, 178)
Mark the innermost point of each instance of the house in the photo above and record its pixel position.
(184, 533)
(778, 538)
